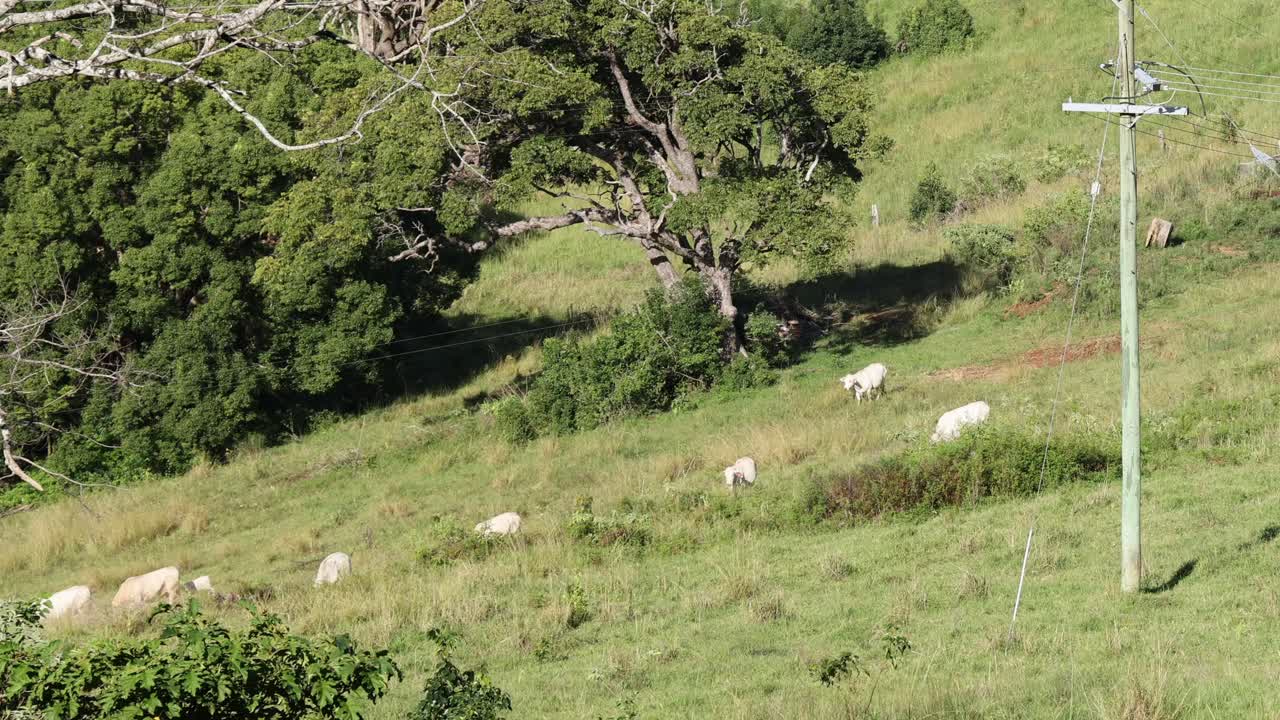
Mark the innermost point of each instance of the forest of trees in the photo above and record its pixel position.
(213, 220)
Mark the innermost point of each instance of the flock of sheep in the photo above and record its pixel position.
(140, 590)
(869, 382)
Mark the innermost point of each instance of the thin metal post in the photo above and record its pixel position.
(1131, 487)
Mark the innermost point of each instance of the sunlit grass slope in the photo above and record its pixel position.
(721, 614)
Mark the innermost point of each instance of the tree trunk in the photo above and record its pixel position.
(719, 284)
(667, 273)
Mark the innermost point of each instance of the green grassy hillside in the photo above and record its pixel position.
(722, 612)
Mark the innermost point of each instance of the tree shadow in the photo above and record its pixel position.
(1178, 576)
(886, 304)
(470, 346)
(1265, 536)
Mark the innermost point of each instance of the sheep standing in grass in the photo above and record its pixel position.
(65, 603)
(866, 381)
(742, 472)
(144, 589)
(953, 421)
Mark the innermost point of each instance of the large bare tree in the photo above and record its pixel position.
(171, 41)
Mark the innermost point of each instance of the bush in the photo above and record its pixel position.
(512, 420)
(448, 542)
(197, 669)
(989, 249)
(984, 462)
(838, 31)
(664, 349)
(994, 178)
(745, 373)
(764, 340)
(627, 528)
(455, 694)
(934, 27)
(1058, 161)
(931, 196)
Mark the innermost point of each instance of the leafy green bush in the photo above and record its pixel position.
(838, 31)
(448, 542)
(512, 421)
(578, 607)
(763, 339)
(994, 178)
(935, 26)
(626, 528)
(1058, 161)
(452, 693)
(196, 670)
(667, 347)
(745, 373)
(983, 462)
(989, 249)
(931, 196)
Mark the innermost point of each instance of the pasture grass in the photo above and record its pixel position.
(732, 597)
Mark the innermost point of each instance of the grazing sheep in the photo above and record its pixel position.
(952, 422)
(200, 584)
(508, 523)
(742, 472)
(866, 381)
(333, 568)
(144, 589)
(65, 603)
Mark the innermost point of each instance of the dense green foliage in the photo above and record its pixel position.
(984, 462)
(994, 178)
(668, 347)
(838, 31)
(989, 249)
(452, 693)
(932, 197)
(196, 669)
(243, 287)
(935, 26)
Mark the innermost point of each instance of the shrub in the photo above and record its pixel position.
(197, 669)
(989, 249)
(935, 26)
(448, 542)
(452, 693)
(578, 608)
(668, 347)
(745, 373)
(931, 196)
(512, 420)
(838, 31)
(993, 178)
(764, 340)
(984, 462)
(1059, 161)
(626, 528)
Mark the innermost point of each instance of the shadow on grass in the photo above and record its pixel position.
(1177, 577)
(886, 304)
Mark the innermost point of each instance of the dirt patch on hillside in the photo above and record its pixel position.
(1038, 358)
(1229, 251)
(1023, 309)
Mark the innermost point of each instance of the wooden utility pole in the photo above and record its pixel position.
(1130, 454)
(1129, 78)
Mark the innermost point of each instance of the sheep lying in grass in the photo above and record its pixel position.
(866, 381)
(952, 422)
(508, 523)
(333, 568)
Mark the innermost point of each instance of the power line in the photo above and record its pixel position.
(433, 348)
(1173, 141)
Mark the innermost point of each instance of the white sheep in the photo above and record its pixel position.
(953, 421)
(742, 472)
(865, 381)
